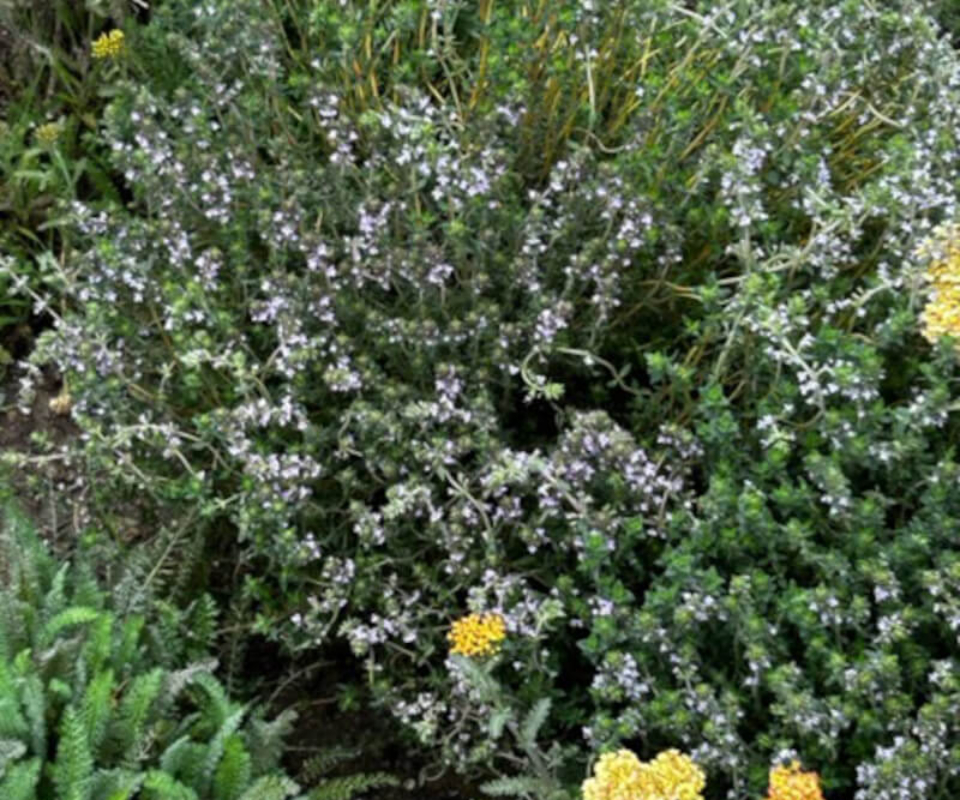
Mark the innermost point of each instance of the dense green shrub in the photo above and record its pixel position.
(602, 316)
(98, 707)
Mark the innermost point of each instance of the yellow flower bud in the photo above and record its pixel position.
(108, 45)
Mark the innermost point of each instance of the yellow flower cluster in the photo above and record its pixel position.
(477, 634)
(622, 776)
(48, 134)
(108, 45)
(941, 315)
(789, 783)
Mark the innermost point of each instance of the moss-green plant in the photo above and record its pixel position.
(93, 707)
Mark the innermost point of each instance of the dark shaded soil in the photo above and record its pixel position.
(6, 49)
(311, 688)
(49, 489)
(16, 429)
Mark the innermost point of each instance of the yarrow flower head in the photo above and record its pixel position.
(677, 776)
(108, 45)
(48, 134)
(616, 776)
(941, 315)
(477, 634)
(622, 776)
(790, 783)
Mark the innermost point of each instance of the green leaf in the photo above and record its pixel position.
(533, 722)
(20, 781)
(12, 722)
(233, 774)
(116, 784)
(98, 707)
(184, 759)
(271, 787)
(479, 678)
(498, 719)
(125, 654)
(135, 710)
(74, 765)
(96, 650)
(217, 747)
(67, 618)
(174, 683)
(516, 787)
(34, 706)
(10, 750)
(216, 706)
(317, 766)
(265, 739)
(55, 599)
(350, 786)
(160, 786)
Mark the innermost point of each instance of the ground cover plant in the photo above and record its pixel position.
(51, 95)
(588, 368)
(101, 703)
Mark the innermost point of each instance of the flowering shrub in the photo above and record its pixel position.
(602, 318)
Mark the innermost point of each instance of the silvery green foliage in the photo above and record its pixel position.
(93, 706)
(656, 397)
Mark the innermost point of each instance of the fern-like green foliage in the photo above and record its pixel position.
(95, 707)
(511, 787)
(319, 765)
(350, 786)
(73, 768)
(533, 722)
(316, 769)
(20, 781)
